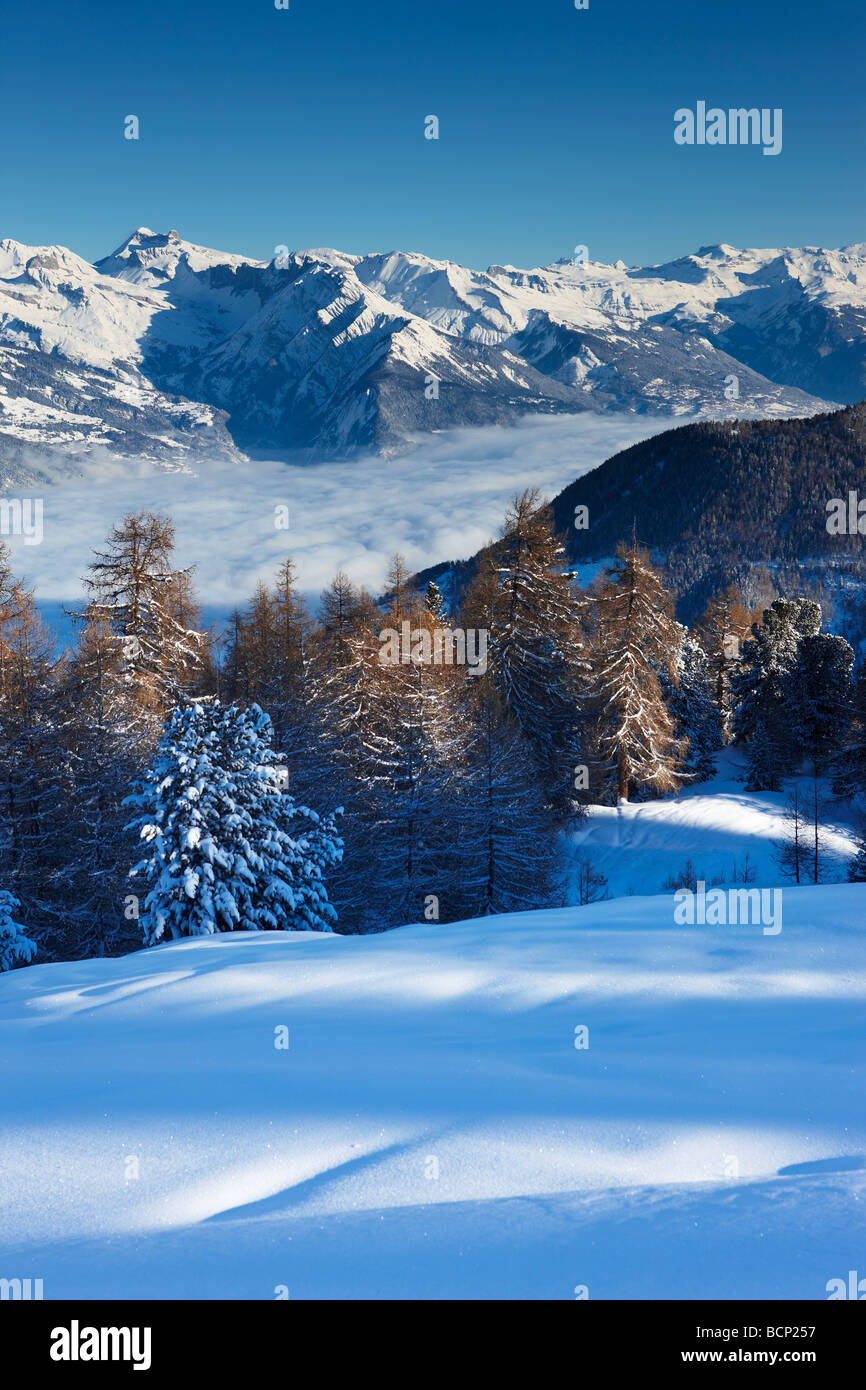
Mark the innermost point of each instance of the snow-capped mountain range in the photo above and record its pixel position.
(169, 351)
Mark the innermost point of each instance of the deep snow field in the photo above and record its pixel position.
(432, 1130)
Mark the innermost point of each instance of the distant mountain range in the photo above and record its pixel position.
(721, 501)
(173, 352)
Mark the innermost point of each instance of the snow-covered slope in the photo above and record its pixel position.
(71, 378)
(326, 363)
(431, 1129)
(662, 337)
(717, 826)
(173, 351)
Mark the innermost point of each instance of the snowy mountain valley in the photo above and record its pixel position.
(338, 963)
(432, 680)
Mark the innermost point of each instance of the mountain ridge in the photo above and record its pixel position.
(168, 350)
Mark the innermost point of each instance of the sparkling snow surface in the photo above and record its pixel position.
(432, 1130)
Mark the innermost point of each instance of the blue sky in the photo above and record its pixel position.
(305, 127)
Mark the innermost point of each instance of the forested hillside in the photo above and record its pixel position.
(374, 763)
(763, 504)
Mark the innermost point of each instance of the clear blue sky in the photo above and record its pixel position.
(304, 127)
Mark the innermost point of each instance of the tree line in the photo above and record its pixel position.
(157, 779)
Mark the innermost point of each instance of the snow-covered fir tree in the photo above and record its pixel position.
(16, 948)
(434, 605)
(794, 684)
(228, 848)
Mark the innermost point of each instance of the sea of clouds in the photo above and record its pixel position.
(442, 501)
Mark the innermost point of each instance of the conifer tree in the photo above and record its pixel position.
(763, 762)
(505, 847)
(343, 608)
(145, 604)
(635, 637)
(291, 633)
(537, 654)
(816, 832)
(479, 601)
(16, 948)
(689, 694)
(229, 849)
(801, 849)
(792, 849)
(761, 684)
(341, 685)
(398, 585)
(193, 667)
(857, 865)
(434, 605)
(100, 760)
(591, 885)
(407, 759)
(723, 628)
(818, 697)
(251, 646)
(849, 763)
(31, 761)
(384, 735)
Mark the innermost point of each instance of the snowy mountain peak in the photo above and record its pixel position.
(722, 251)
(152, 258)
(324, 350)
(18, 258)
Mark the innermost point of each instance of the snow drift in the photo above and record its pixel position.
(416, 1114)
